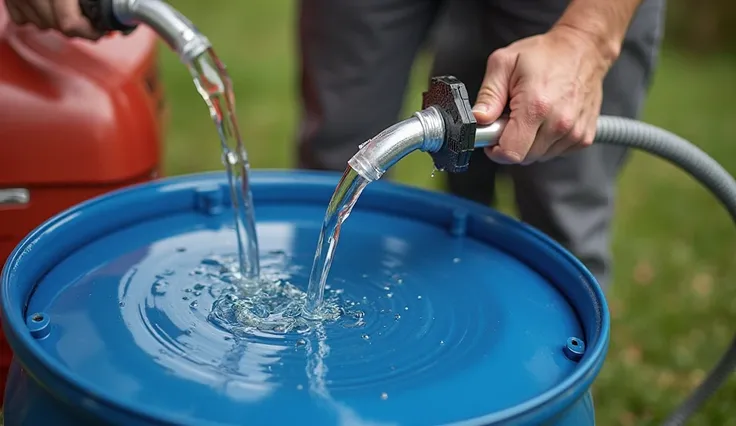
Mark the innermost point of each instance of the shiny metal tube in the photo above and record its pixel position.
(425, 132)
(488, 135)
(176, 30)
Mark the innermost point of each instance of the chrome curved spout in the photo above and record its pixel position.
(425, 131)
(174, 28)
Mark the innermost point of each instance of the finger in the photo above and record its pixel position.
(72, 22)
(558, 128)
(561, 146)
(15, 14)
(556, 134)
(45, 12)
(30, 15)
(493, 93)
(580, 138)
(588, 135)
(521, 131)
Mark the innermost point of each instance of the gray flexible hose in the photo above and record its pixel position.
(688, 157)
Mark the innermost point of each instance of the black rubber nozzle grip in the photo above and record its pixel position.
(449, 95)
(101, 15)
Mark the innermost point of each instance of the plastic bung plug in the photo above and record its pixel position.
(450, 97)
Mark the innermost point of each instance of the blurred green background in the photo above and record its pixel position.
(673, 302)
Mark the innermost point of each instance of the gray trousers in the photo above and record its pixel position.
(356, 57)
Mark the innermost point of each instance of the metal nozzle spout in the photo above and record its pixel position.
(123, 15)
(424, 132)
(445, 128)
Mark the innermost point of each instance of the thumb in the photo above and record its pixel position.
(494, 91)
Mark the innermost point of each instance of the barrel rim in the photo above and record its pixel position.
(548, 403)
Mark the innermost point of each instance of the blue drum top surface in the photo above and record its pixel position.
(453, 327)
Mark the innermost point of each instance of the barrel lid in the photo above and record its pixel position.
(467, 314)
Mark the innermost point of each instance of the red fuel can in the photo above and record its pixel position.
(77, 119)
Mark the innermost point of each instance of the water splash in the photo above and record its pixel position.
(271, 304)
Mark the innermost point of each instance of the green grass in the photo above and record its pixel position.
(674, 298)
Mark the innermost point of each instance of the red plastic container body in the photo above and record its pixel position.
(77, 119)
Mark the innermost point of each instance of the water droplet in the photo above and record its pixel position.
(181, 249)
(442, 342)
(389, 295)
(419, 297)
(434, 171)
(456, 260)
(406, 308)
(399, 281)
(397, 317)
(169, 272)
(199, 286)
(387, 288)
(122, 304)
(384, 396)
(301, 342)
(358, 314)
(187, 290)
(197, 293)
(366, 337)
(298, 387)
(194, 304)
(185, 298)
(365, 275)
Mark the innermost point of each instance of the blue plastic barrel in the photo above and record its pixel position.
(470, 317)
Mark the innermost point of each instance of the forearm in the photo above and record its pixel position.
(605, 22)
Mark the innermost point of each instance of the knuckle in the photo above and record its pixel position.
(566, 124)
(71, 26)
(68, 25)
(576, 134)
(487, 91)
(587, 141)
(539, 107)
(498, 58)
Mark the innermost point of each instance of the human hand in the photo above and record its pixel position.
(62, 15)
(553, 84)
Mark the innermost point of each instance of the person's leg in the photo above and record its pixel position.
(571, 198)
(356, 57)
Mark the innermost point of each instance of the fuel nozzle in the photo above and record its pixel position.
(445, 128)
(125, 15)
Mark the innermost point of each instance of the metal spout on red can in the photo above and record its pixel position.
(125, 15)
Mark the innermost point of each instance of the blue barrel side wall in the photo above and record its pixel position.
(184, 193)
(31, 404)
